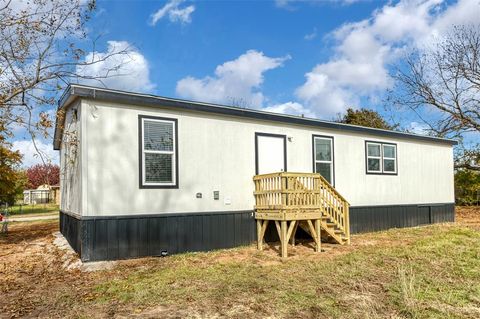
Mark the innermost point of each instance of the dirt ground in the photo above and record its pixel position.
(32, 269)
(36, 282)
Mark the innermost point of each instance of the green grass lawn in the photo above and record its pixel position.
(33, 209)
(426, 272)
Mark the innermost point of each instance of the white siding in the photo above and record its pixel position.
(70, 166)
(218, 153)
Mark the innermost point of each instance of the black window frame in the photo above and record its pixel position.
(143, 185)
(333, 154)
(382, 172)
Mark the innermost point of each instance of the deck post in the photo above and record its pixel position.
(318, 246)
(259, 235)
(294, 231)
(347, 222)
(261, 228)
(283, 238)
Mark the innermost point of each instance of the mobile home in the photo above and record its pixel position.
(144, 175)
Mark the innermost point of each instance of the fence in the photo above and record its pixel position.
(21, 209)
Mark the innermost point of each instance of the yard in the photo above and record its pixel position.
(33, 209)
(423, 272)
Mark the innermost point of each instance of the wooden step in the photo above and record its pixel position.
(331, 232)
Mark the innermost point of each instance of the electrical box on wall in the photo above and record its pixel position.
(227, 200)
(216, 195)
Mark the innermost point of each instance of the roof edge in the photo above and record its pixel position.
(85, 91)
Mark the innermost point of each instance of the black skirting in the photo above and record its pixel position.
(122, 237)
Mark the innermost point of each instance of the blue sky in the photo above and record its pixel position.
(299, 57)
(221, 31)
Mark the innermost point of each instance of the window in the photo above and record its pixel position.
(323, 157)
(381, 158)
(374, 157)
(389, 158)
(158, 152)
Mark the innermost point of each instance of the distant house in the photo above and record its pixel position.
(144, 175)
(43, 194)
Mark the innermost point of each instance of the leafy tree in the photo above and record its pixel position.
(467, 187)
(9, 175)
(43, 174)
(365, 117)
(21, 184)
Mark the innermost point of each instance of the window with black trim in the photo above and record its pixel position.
(323, 162)
(158, 152)
(381, 158)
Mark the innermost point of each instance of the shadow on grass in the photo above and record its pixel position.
(28, 231)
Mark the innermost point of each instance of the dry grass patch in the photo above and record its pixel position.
(423, 272)
(399, 277)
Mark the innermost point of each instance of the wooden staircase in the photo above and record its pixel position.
(306, 199)
(335, 213)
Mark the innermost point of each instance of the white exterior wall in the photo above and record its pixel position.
(218, 153)
(70, 162)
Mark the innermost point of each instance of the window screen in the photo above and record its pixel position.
(158, 136)
(158, 168)
(158, 152)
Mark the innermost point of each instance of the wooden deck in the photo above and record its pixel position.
(305, 200)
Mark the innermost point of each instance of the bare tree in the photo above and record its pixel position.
(39, 56)
(441, 85)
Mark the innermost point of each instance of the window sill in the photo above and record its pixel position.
(157, 186)
(381, 173)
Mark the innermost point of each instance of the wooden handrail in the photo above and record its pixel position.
(302, 191)
(332, 189)
(293, 174)
(285, 174)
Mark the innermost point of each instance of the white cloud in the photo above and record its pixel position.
(174, 12)
(292, 108)
(323, 97)
(31, 156)
(128, 71)
(287, 4)
(236, 81)
(462, 12)
(311, 36)
(418, 128)
(364, 51)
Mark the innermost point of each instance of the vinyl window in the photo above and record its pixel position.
(323, 157)
(381, 158)
(389, 152)
(158, 152)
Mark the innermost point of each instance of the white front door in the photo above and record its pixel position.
(270, 153)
